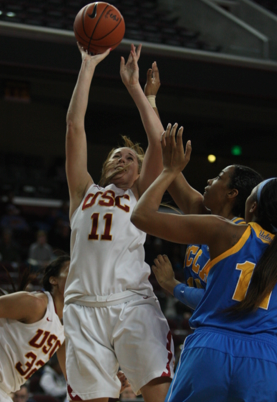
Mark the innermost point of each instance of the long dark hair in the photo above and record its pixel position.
(264, 277)
(53, 269)
(244, 179)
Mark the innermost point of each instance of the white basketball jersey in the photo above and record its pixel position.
(24, 348)
(107, 252)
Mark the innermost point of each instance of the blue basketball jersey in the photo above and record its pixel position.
(228, 277)
(196, 259)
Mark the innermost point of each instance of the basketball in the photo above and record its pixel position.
(99, 26)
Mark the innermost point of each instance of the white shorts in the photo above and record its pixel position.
(4, 397)
(134, 336)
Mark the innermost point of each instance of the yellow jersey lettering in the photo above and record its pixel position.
(195, 267)
(243, 283)
(191, 251)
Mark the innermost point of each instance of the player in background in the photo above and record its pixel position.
(233, 349)
(112, 317)
(224, 195)
(31, 330)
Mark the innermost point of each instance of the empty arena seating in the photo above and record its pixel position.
(145, 21)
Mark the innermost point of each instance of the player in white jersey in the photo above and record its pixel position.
(31, 330)
(111, 316)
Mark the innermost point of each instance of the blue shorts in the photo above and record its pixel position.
(220, 366)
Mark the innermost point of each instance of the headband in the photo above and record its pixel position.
(261, 186)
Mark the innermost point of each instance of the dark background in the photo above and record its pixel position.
(221, 101)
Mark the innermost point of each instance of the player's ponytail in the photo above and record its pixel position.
(264, 276)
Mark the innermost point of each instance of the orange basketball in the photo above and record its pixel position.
(98, 27)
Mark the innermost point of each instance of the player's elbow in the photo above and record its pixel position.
(138, 218)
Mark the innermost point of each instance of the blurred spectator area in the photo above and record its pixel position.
(145, 21)
(242, 29)
(27, 176)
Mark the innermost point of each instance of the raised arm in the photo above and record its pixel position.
(186, 197)
(152, 86)
(152, 164)
(78, 177)
(189, 200)
(219, 234)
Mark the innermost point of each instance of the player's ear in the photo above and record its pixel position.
(233, 193)
(53, 280)
(253, 207)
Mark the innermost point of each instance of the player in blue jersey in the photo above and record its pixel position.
(225, 195)
(232, 354)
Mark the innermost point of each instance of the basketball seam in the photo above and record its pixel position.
(96, 25)
(83, 21)
(110, 31)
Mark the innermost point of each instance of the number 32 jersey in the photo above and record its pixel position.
(24, 348)
(107, 250)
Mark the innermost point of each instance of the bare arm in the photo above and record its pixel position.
(186, 197)
(61, 359)
(219, 234)
(152, 86)
(152, 164)
(78, 177)
(23, 306)
(189, 200)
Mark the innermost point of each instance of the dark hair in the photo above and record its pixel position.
(264, 276)
(244, 179)
(26, 277)
(53, 269)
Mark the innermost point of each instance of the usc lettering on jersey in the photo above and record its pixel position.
(24, 348)
(107, 250)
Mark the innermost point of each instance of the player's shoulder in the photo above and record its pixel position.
(38, 301)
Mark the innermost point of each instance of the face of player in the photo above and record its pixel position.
(216, 192)
(251, 205)
(124, 168)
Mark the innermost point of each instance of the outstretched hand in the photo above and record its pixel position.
(92, 59)
(129, 71)
(174, 157)
(164, 273)
(153, 82)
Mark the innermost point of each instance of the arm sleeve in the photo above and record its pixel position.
(187, 295)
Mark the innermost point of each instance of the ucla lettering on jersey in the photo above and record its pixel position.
(196, 261)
